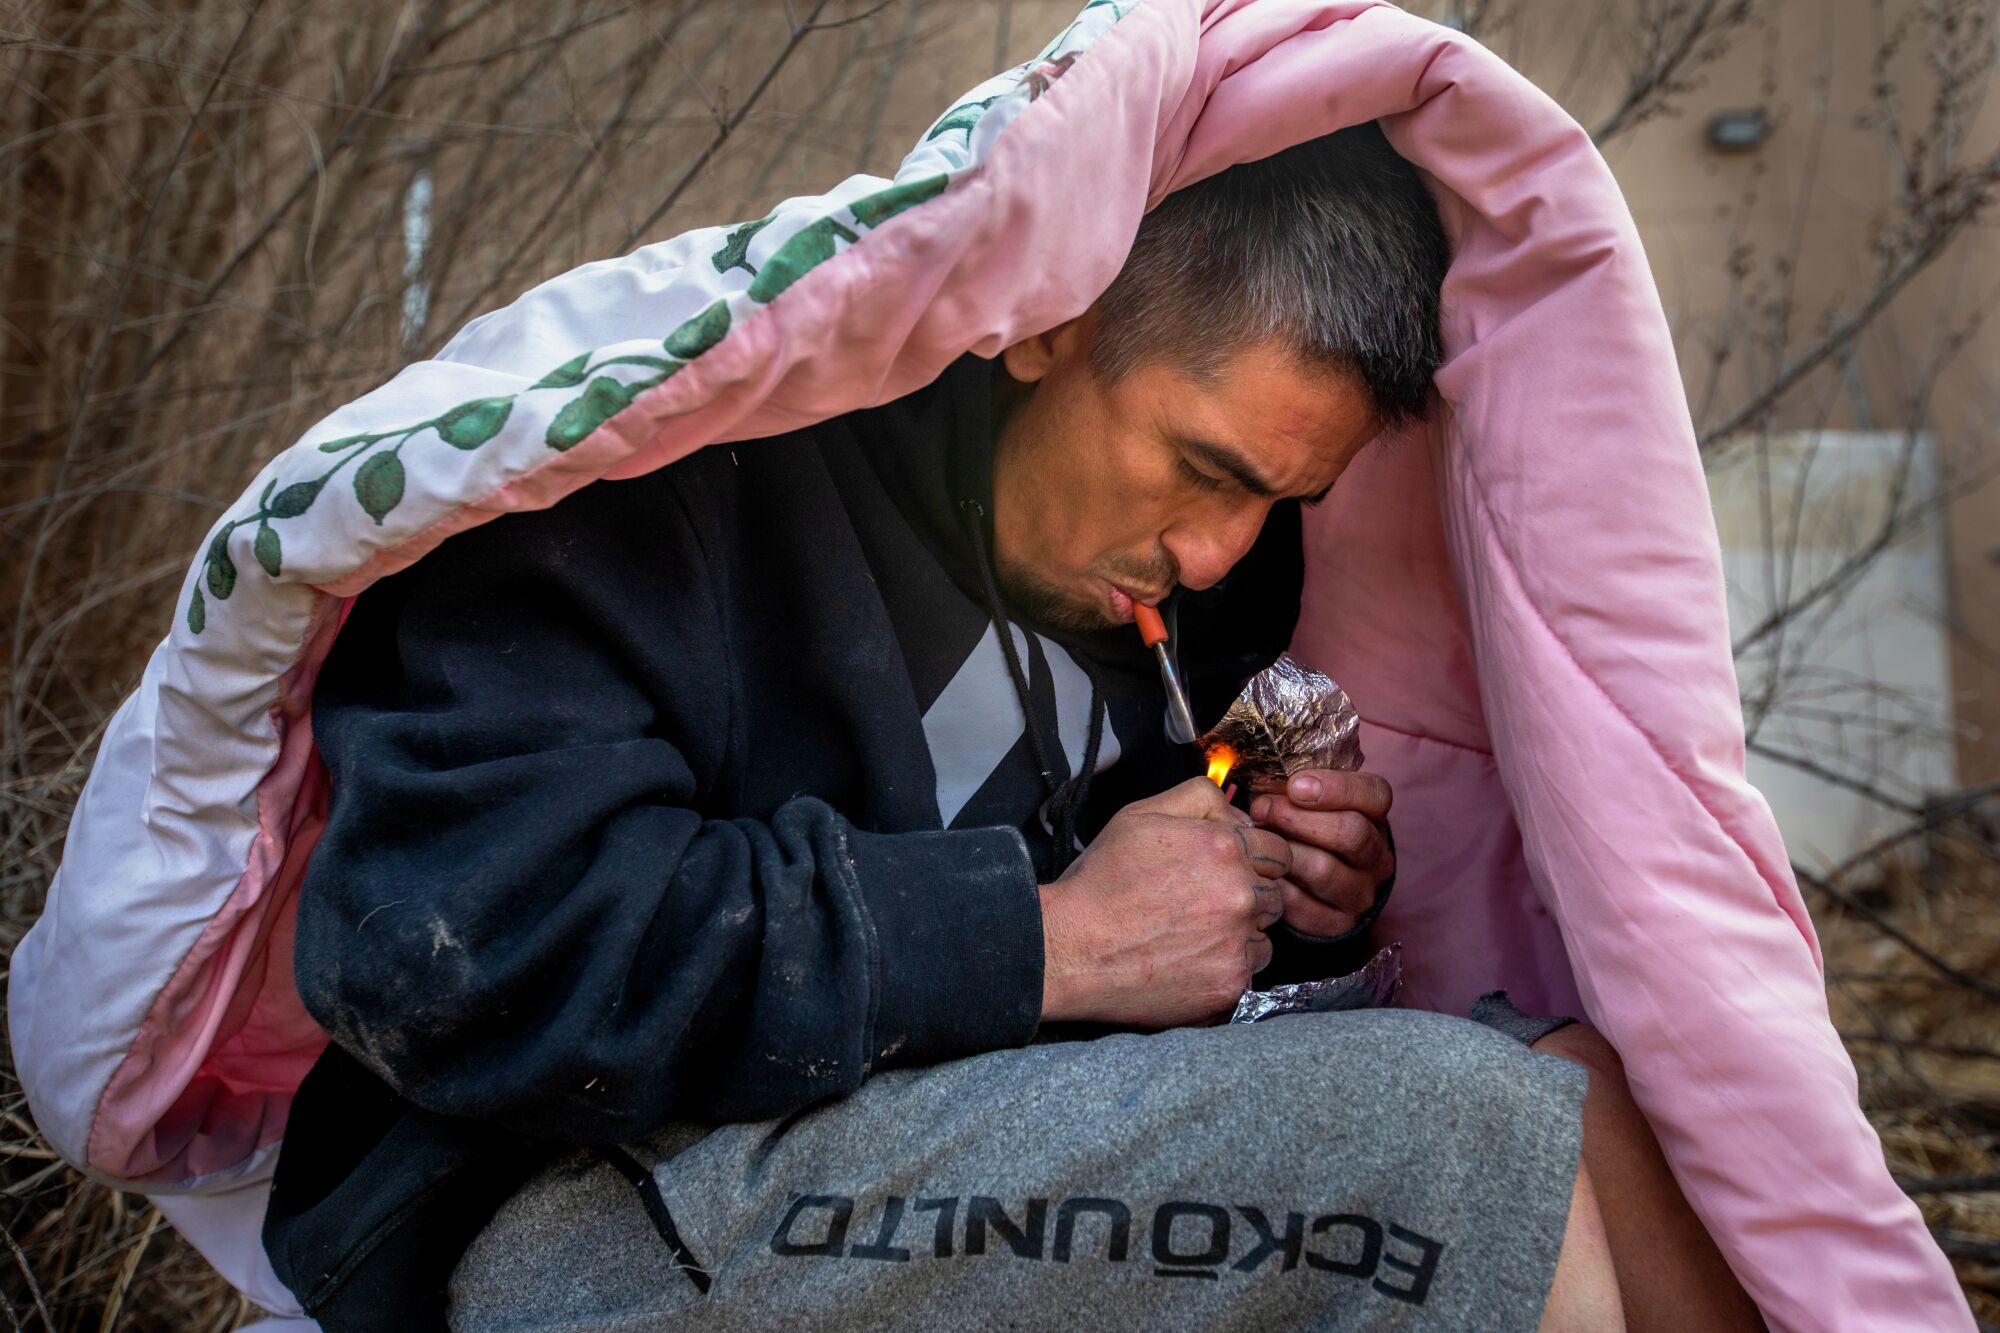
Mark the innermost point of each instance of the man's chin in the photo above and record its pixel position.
(1046, 604)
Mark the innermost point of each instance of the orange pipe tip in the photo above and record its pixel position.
(1151, 628)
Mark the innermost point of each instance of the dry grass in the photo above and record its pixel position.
(1928, 1049)
(82, 1258)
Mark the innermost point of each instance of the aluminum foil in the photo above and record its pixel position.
(1289, 717)
(1373, 987)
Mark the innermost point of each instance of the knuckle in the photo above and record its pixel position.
(1385, 794)
(1235, 905)
(1252, 903)
(1275, 810)
(1314, 866)
(1350, 832)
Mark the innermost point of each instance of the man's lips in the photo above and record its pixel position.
(1121, 603)
(1122, 599)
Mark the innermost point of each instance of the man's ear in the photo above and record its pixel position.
(1036, 355)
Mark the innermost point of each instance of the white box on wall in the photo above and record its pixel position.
(1855, 688)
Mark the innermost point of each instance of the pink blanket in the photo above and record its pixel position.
(1524, 599)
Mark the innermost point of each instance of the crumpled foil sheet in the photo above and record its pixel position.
(1289, 717)
(1373, 987)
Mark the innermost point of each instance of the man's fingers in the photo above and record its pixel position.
(1268, 853)
(1267, 903)
(1257, 952)
(1305, 912)
(1323, 789)
(1348, 834)
(1332, 881)
(1197, 798)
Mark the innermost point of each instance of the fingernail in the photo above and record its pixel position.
(1305, 789)
(1260, 808)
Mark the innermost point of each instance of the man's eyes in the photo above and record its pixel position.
(1196, 477)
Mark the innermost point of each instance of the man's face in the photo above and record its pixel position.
(1109, 494)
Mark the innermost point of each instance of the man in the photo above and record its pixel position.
(778, 825)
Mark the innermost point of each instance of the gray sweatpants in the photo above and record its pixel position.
(1382, 1169)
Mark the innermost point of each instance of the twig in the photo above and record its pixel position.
(1892, 979)
(1921, 1047)
(492, 57)
(1654, 80)
(116, 1301)
(25, 601)
(1959, 1245)
(1924, 1087)
(1896, 521)
(1935, 814)
(1950, 1184)
(728, 126)
(1837, 341)
(270, 221)
(559, 199)
(28, 1273)
(1832, 778)
(1977, 985)
(873, 125)
(28, 1184)
(850, 20)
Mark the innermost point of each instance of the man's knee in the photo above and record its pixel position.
(1583, 1044)
(1444, 1049)
(1584, 1295)
(1425, 1064)
(1613, 1122)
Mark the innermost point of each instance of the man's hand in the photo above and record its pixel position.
(1161, 921)
(1340, 852)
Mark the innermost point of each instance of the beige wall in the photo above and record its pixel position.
(1756, 254)
(1820, 193)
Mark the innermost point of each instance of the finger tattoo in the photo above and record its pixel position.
(1256, 858)
(1270, 902)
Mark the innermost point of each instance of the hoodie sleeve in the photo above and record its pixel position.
(516, 911)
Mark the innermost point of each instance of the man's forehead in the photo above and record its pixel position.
(1288, 423)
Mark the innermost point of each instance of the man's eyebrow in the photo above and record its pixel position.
(1225, 459)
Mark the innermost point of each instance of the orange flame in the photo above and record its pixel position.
(1220, 760)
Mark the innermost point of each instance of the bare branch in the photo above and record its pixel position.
(1672, 56)
(728, 127)
(25, 600)
(1977, 985)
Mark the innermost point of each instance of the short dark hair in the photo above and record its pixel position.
(1333, 247)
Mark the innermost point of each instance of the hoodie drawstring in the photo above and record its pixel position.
(1066, 799)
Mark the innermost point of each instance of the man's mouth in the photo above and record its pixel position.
(1122, 598)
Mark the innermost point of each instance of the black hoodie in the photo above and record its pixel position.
(696, 797)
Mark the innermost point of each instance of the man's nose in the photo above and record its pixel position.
(1208, 549)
